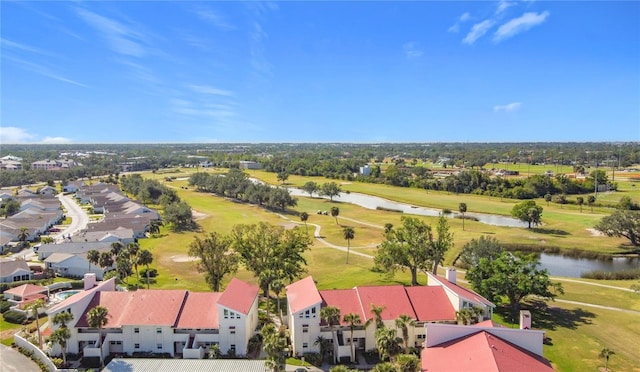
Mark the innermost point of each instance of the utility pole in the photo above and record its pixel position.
(595, 174)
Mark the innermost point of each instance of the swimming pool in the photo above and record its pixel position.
(65, 294)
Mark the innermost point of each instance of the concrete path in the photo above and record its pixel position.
(598, 306)
(12, 361)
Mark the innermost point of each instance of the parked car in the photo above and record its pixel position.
(54, 229)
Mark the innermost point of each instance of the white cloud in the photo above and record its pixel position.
(518, 25)
(456, 26)
(509, 107)
(503, 5)
(205, 89)
(121, 38)
(42, 70)
(477, 31)
(15, 135)
(411, 50)
(215, 19)
(56, 140)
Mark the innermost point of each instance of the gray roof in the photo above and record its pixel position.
(7, 267)
(74, 247)
(172, 365)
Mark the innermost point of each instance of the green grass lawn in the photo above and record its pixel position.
(577, 333)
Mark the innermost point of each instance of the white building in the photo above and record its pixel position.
(172, 322)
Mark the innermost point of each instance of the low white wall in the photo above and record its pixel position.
(193, 353)
(37, 353)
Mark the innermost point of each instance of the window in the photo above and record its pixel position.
(158, 330)
(305, 328)
(232, 330)
(115, 342)
(313, 311)
(421, 337)
(136, 330)
(305, 345)
(226, 314)
(136, 346)
(233, 347)
(159, 346)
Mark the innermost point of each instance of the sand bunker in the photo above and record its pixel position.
(198, 215)
(595, 232)
(182, 258)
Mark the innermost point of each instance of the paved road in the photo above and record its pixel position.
(79, 218)
(12, 361)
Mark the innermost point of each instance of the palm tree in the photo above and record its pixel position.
(386, 343)
(590, 200)
(335, 211)
(145, 258)
(277, 286)
(97, 317)
(463, 209)
(377, 316)
(348, 233)
(304, 216)
(93, 256)
(154, 226)
(60, 336)
(354, 320)
(331, 315)
(580, 201)
(134, 249)
(606, 353)
(387, 227)
(23, 235)
(116, 248)
(34, 307)
(547, 198)
(403, 322)
(324, 345)
(106, 260)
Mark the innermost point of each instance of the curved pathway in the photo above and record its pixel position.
(13, 361)
(562, 279)
(79, 217)
(598, 306)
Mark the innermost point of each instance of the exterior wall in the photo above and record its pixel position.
(148, 338)
(75, 267)
(37, 353)
(236, 328)
(16, 276)
(311, 318)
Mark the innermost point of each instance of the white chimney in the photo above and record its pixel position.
(89, 280)
(451, 274)
(525, 319)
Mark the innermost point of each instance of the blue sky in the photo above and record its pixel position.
(421, 71)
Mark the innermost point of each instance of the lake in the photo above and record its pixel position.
(574, 267)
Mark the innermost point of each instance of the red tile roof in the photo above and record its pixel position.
(430, 304)
(142, 307)
(200, 310)
(239, 296)
(26, 290)
(393, 298)
(481, 351)
(80, 296)
(344, 299)
(302, 294)
(463, 292)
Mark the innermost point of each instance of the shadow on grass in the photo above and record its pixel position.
(548, 317)
(558, 232)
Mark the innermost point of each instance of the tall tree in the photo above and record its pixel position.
(527, 211)
(591, 199)
(310, 187)
(304, 216)
(484, 247)
(606, 353)
(179, 216)
(462, 208)
(271, 252)
(387, 343)
(61, 335)
(514, 277)
(106, 260)
(154, 226)
(376, 310)
(353, 320)
(622, 223)
(348, 233)
(335, 211)
(403, 323)
(440, 246)
(23, 236)
(274, 342)
(325, 346)
(217, 258)
(330, 189)
(331, 315)
(133, 249)
(34, 308)
(98, 317)
(93, 256)
(547, 198)
(580, 202)
(145, 258)
(116, 248)
(406, 247)
(283, 176)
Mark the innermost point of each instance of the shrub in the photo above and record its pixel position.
(446, 211)
(254, 343)
(14, 317)
(4, 306)
(313, 358)
(152, 273)
(612, 275)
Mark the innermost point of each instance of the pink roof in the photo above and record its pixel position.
(464, 292)
(481, 351)
(431, 304)
(26, 290)
(200, 310)
(239, 296)
(81, 295)
(344, 299)
(142, 307)
(489, 323)
(302, 294)
(393, 298)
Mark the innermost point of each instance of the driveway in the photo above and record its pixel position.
(12, 361)
(79, 218)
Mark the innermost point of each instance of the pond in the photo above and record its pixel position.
(375, 202)
(574, 267)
